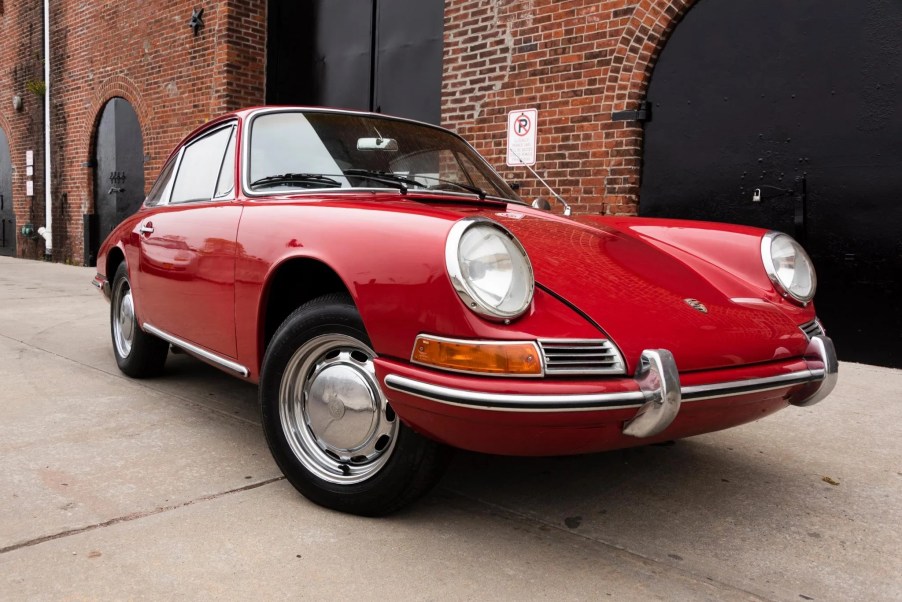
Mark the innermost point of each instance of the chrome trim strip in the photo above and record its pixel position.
(753, 385)
(195, 350)
(585, 402)
(515, 402)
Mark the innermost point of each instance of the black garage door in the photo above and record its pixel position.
(801, 100)
(371, 55)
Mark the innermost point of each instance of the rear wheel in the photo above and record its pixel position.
(328, 424)
(138, 354)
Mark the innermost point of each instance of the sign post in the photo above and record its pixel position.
(522, 126)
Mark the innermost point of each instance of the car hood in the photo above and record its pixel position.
(641, 296)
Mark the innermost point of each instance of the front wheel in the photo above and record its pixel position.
(328, 424)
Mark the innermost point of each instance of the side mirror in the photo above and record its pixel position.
(541, 203)
(377, 144)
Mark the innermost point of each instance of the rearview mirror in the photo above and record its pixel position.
(377, 144)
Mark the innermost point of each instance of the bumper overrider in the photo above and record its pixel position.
(655, 394)
(103, 285)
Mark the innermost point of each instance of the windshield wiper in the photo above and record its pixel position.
(474, 189)
(294, 178)
(393, 180)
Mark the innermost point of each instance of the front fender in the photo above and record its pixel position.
(390, 257)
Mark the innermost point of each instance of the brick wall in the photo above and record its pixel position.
(577, 62)
(141, 51)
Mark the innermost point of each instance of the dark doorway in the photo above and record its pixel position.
(370, 55)
(801, 100)
(7, 216)
(119, 175)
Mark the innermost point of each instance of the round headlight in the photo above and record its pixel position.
(788, 266)
(489, 269)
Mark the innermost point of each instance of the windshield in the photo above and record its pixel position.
(293, 150)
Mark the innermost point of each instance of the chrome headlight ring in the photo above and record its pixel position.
(789, 267)
(489, 269)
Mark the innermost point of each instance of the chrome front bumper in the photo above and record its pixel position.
(659, 393)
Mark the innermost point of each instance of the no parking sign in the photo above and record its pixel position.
(521, 137)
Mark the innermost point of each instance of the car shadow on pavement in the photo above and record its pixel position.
(710, 485)
(193, 380)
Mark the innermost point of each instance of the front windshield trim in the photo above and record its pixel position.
(411, 193)
(296, 192)
(246, 144)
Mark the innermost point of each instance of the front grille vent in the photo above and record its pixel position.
(812, 328)
(568, 356)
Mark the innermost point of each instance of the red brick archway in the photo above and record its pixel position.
(637, 50)
(577, 63)
(121, 87)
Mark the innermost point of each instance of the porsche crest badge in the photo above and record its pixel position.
(696, 305)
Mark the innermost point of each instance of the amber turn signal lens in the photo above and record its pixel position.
(484, 357)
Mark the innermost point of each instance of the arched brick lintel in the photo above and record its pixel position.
(638, 49)
(643, 38)
(122, 87)
(118, 86)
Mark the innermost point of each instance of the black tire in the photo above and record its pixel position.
(138, 354)
(328, 424)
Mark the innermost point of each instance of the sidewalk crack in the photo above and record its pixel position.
(134, 516)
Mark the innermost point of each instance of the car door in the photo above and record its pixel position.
(186, 269)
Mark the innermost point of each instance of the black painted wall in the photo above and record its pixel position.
(763, 94)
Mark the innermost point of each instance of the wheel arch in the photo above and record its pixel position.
(289, 285)
(114, 257)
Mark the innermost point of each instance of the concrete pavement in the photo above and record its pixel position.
(113, 488)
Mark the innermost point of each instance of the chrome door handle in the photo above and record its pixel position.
(145, 229)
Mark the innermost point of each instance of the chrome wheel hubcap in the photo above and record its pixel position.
(333, 412)
(123, 319)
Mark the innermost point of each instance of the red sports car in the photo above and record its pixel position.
(393, 297)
